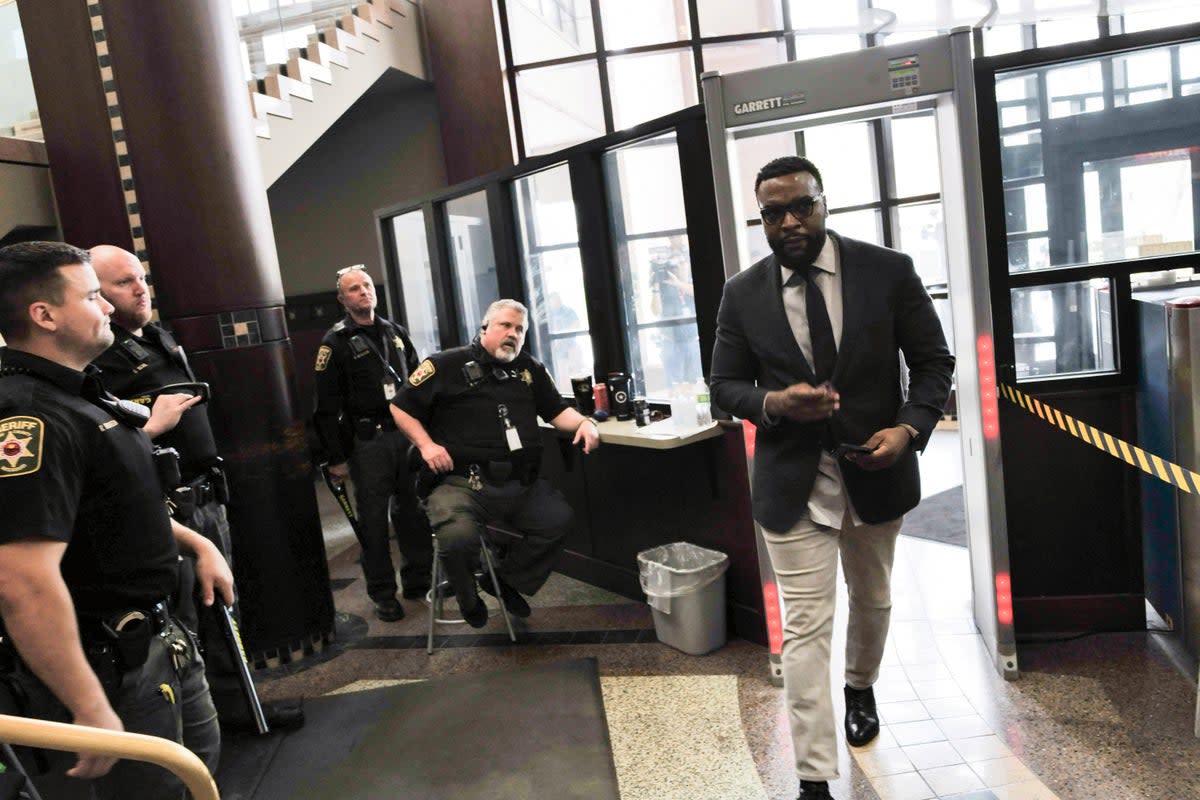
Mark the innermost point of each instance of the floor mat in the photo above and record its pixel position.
(534, 732)
(939, 518)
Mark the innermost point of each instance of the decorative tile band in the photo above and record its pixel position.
(120, 148)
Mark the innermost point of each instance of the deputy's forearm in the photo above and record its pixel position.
(40, 619)
(411, 427)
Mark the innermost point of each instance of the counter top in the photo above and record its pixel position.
(656, 436)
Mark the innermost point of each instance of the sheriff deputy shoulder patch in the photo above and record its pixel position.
(20, 445)
(323, 357)
(422, 373)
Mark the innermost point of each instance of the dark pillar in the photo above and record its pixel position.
(145, 103)
(463, 57)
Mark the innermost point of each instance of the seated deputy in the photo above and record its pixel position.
(472, 413)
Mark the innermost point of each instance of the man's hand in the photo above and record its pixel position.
(339, 472)
(804, 403)
(212, 573)
(589, 434)
(437, 457)
(166, 412)
(91, 765)
(889, 444)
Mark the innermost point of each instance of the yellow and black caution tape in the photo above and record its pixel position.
(1166, 471)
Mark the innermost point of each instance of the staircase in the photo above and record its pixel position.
(298, 101)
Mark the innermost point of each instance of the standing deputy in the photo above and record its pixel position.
(362, 362)
(88, 554)
(143, 360)
(825, 311)
(472, 412)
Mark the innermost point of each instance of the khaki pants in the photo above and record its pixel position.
(805, 563)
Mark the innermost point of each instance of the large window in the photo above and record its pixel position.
(1098, 157)
(416, 280)
(472, 259)
(553, 274)
(650, 239)
(1111, 175)
(652, 51)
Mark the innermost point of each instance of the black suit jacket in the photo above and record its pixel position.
(886, 312)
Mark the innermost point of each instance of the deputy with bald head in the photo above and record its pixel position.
(147, 366)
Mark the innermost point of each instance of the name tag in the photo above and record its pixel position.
(389, 390)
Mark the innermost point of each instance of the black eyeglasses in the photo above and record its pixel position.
(800, 209)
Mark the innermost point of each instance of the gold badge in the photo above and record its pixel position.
(422, 373)
(20, 446)
(323, 357)
(527, 376)
(396, 340)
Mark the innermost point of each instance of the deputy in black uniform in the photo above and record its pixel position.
(472, 412)
(362, 362)
(88, 553)
(144, 359)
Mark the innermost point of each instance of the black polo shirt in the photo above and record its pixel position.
(136, 367)
(353, 364)
(462, 413)
(69, 471)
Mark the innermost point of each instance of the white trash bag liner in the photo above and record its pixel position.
(677, 569)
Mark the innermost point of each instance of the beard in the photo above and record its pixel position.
(799, 250)
(506, 352)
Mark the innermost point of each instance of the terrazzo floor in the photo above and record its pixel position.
(1106, 716)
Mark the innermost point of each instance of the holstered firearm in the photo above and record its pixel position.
(233, 640)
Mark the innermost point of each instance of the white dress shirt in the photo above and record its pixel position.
(828, 502)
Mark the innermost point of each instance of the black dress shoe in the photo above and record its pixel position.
(283, 715)
(389, 609)
(476, 615)
(862, 720)
(511, 598)
(814, 790)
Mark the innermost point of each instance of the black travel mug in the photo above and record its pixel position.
(618, 395)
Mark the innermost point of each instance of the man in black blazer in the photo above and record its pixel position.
(810, 342)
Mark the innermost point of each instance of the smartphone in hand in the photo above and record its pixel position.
(843, 450)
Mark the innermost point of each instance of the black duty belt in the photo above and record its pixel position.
(367, 428)
(121, 642)
(154, 620)
(499, 471)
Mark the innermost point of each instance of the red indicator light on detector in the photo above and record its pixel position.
(1004, 599)
(774, 617)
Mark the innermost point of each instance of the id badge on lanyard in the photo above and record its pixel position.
(511, 436)
(389, 389)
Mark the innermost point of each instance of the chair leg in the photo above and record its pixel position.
(487, 559)
(435, 601)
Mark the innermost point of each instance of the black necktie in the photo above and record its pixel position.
(820, 330)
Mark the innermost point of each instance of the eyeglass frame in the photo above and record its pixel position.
(790, 208)
(347, 270)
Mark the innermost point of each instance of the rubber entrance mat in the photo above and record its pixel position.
(536, 732)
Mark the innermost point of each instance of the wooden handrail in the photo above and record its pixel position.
(119, 744)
